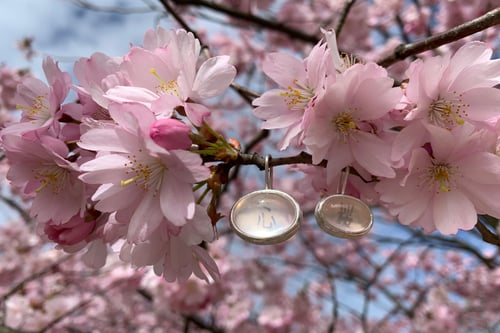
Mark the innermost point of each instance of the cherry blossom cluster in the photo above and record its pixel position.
(134, 165)
(428, 146)
(116, 164)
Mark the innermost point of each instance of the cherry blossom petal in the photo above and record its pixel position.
(207, 262)
(176, 200)
(452, 211)
(341, 157)
(132, 116)
(196, 113)
(477, 76)
(213, 77)
(373, 154)
(375, 97)
(101, 139)
(481, 167)
(121, 94)
(484, 196)
(470, 54)
(483, 103)
(145, 219)
(284, 69)
(96, 254)
(411, 136)
(290, 134)
(284, 120)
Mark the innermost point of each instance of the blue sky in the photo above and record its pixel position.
(66, 32)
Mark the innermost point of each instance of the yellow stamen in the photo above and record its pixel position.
(169, 87)
(144, 175)
(129, 181)
(440, 176)
(297, 98)
(52, 177)
(447, 112)
(37, 109)
(344, 124)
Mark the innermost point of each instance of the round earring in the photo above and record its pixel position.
(342, 215)
(266, 216)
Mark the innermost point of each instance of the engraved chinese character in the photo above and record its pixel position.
(344, 215)
(267, 222)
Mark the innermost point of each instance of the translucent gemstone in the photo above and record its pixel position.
(266, 217)
(344, 216)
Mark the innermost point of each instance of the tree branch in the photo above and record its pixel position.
(487, 235)
(32, 277)
(14, 205)
(481, 23)
(201, 324)
(112, 9)
(180, 20)
(259, 21)
(259, 160)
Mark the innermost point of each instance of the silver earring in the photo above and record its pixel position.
(266, 216)
(342, 215)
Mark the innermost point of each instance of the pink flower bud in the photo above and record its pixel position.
(71, 232)
(170, 134)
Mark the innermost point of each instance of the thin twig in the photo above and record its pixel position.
(343, 16)
(32, 277)
(14, 205)
(481, 23)
(114, 9)
(245, 93)
(180, 20)
(68, 313)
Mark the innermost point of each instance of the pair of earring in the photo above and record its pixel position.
(271, 216)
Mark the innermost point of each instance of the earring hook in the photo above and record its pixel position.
(344, 175)
(268, 172)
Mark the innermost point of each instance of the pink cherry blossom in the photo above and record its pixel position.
(41, 102)
(448, 183)
(141, 215)
(302, 84)
(168, 77)
(448, 91)
(342, 130)
(174, 251)
(39, 167)
(138, 179)
(96, 75)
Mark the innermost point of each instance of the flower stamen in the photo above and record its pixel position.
(344, 125)
(447, 112)
(169, 87)
(297, 98)
(145, 176)
(51, 176)
(441, 176)
(38, 110)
